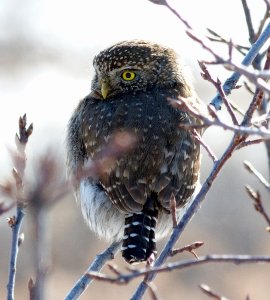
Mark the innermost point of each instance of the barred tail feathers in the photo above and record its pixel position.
(139, 235)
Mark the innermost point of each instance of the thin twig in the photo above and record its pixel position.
(19, 160)
(96, 266)
(250, 142)
(173, 210)
(220, 39)
(233, 79)
(212, 294)
(248, 165)
(249, 22)
(181, 103)
(200, 140)
(189, 248)
(258, 205)
(217, 84)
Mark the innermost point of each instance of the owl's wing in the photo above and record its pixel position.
(76, 152)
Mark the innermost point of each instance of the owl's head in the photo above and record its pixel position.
(132, 66)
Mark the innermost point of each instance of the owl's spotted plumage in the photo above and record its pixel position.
(130, 90)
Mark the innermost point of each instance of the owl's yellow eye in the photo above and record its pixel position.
(128, 75)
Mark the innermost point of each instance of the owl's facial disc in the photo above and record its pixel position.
(107, 84)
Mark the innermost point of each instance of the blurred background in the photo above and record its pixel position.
(46, 52)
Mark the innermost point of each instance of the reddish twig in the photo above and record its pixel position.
(217, 84)
(199, 139)
(189, 248)
(256, 197)
(173, 210)
(250, 142)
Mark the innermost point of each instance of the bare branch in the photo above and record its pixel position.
(217, 84)
(180, 265)
(249, 22)
(218, 38)
(18, 173)
(95, 266)
(199, 139)
(212, 294)
(189, 248)
(255, 172)
(256, 197)
(252, 53)
(181, 103)
(250, 142)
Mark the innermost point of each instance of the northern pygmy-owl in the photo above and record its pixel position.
(130, 90)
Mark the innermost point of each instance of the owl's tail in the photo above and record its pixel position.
(139, 235)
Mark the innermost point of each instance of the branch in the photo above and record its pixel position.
(196, 202)
(249, 22)
(180, 265)
(259, 176)
(200, 140)
(19, 160)
(217, 84)
(181, 104)
(96, 266)
(258, 205)
(231, 82)
(209, 292)
(189, 248)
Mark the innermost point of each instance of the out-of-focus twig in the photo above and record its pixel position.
(19, 160)
(95, 266)
(259, 176)
(212, 294)
(153, 291)
(173, 210)
(249, 22)
(258, 205)
(200, 140)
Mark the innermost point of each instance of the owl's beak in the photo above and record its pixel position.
(105, 88)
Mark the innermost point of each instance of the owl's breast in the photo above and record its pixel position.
(147, 116)
(162, 159)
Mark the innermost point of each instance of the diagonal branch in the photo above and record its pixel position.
(95, 266)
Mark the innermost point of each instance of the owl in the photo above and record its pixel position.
(130, 92)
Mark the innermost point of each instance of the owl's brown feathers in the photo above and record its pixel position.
(130, 90)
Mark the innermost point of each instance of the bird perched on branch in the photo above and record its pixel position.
(129, 200)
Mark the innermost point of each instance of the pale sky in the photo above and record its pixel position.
(76, 30)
